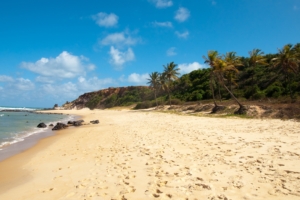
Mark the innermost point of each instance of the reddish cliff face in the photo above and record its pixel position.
(83, 100)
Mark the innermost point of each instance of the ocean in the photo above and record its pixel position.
(18, 128)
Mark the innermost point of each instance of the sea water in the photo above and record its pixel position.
(18, 124)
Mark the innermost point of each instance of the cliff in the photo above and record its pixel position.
(106, 98)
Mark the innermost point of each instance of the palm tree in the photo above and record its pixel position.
(212, 57)
(233, 61)
(170, 74)
(287, 60)
(256, 58)
(154, 83)
(220, 67)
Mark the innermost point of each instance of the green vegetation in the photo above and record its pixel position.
(257, 77)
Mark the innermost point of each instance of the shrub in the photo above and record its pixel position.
(176, 102)
(93, 102)
(273, 91)
(143, 105)
(258, 95)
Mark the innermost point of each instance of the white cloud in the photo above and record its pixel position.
(24, 84)
(63, 91)
(213, 2)
(162, 3)
(120, 39)
(138, 78)
(93, 84)
(163, 24)
(171, 51)
(4, 78)
(43, 79)
(184, 34)
(118, 58)
(188, 67)
(65, 65)
(106, 20)
(295, 7)
(182, 14)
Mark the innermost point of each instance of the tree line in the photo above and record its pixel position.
(231, 76)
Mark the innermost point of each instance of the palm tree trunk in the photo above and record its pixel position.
(220, 97)
(155, 97)
(231, 94)
(213, 92)
(169, 97)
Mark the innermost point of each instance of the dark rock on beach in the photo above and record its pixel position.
(76, 123)
(51, 125)
(59, 126)
(42, 125)
(94, 122)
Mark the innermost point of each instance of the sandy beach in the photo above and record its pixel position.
(152, 155)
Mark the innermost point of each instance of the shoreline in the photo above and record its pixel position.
(31, 137)
(153, 155)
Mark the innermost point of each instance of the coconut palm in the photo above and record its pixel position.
(220, 67)
(170, 74)
(153, 81)
(256, 58)
(232, 61)
(212, 57)
(287, 60)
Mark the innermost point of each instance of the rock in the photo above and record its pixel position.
(51, 125)
(94, 122)
(77, 123)
(59, 126)
(42, 125)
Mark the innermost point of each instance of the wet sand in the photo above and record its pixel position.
(150, 155)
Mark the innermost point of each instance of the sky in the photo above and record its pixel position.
(53, 51)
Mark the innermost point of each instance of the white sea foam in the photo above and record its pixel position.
(19, 137)
(17, 108)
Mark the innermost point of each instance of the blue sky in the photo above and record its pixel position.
(53, 51)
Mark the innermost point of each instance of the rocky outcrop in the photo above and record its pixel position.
(76, 123)
(94, 122)
(42, 125)
(109, 97)
(59, 126)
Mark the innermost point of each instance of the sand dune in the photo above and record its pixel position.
(150, 155)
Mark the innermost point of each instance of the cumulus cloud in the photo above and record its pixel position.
(188, 67)
(64, 91)
(171, 51)
(93, 84)
(65, 65)
(4, 78)
(23, 84)
(163, 24)
(106, 20)
(118, 58)
(162, 3)
(184, 34)
(120, 39)
(138, 78)
(182, 14)
(17, 84)
(42, 79)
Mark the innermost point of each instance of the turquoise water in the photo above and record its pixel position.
(16, 126)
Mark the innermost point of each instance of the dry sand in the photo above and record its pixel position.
(150, 155)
